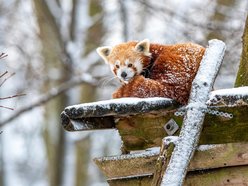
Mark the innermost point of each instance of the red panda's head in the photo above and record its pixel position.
(127, 60)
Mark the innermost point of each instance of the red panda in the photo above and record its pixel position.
(153, 70)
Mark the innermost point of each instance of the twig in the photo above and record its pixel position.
(50, 95)
(184, 19)
(7, 79)
(6, 107)
(3, 74)
(14, 96)
(3, 55)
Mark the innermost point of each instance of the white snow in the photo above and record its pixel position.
(121, 101)
(233, 96)
(239, 92)
(171, 139)
(207, 147)
(147, 153)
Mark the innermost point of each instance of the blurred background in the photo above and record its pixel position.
(51, 49)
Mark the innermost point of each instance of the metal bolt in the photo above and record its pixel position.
(171, 127)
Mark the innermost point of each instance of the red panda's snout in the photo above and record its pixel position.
(127, 70)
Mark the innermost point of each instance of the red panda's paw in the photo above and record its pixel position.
(138, 78)
(129, 89)
(117, 94)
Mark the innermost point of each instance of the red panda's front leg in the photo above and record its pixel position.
(143, 87)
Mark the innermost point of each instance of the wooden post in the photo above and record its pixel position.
(242, 76)
(193, 120)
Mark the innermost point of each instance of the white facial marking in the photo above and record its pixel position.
(117, 62)
(112, 67)
(123, 72)
(138, 65)
(126, 62)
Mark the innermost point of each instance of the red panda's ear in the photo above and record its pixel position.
(143, 46)
(104, 52)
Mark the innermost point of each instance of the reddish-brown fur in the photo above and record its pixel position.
(172, 69)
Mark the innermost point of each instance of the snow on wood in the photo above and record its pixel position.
(193, 120)
(100, 115)
(143, 154)
(120, 106)
(206, 157)
(95, 115)
(229, 97)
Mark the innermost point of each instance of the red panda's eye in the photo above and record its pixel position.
(130, 65)
(117, 66)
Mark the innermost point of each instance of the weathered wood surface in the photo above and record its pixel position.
(102, 114)
(128, 165)
(206, 157)
(145, 131)
(230, 176)
(139, 168)
(141, 131)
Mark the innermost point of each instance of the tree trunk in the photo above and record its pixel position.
(242, 76)
(82, 162)
(220, 18)
(88, 93)
(52, 50)
(2, 175)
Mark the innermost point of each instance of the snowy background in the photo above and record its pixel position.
(52, 42)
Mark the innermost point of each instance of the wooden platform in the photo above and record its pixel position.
(140, 122)
(141, 125)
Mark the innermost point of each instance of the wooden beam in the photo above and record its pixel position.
(231, 176)
(102, 114)
(193, 120)
(206, 157)
(128, 165)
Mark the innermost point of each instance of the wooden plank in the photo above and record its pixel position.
(218, 129)
(222, 155)
(127, 165)
(88, 116)
(229, 176)
(131, 181)
(145, 131)
(206, 157)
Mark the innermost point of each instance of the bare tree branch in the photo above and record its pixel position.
(165, 10)
(3, 74)
(3, 55)
(14, 96)
(50, 95)
(1, 84)
(6, 107)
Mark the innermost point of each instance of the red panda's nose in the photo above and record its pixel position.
(123, 74)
